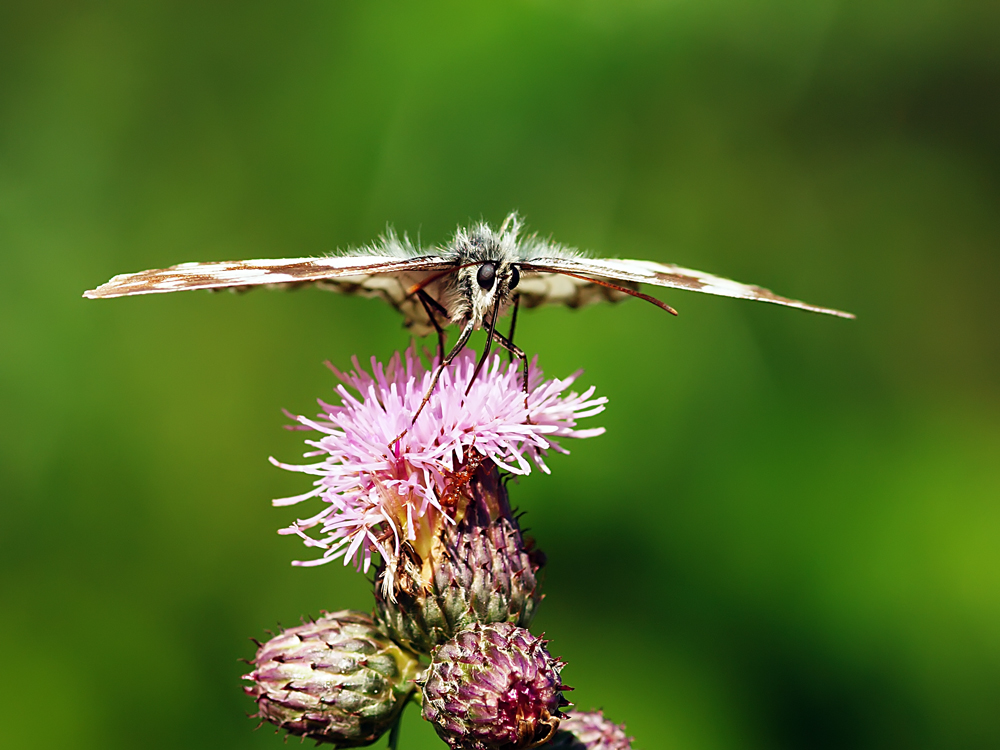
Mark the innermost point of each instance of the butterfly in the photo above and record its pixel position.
(471, 282)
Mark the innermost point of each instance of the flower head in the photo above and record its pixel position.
(493, 687)
(589, 730)
(379, 497)
(337, 679)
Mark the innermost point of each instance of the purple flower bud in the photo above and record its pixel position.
(338, 680)
(493, 687)
(478, 570)
(589, 730)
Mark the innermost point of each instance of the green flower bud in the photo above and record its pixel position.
(338, 679)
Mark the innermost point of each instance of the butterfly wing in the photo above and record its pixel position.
(369, 275)
(346, 270)
(589, 272)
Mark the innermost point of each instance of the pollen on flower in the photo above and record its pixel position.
(376, 497)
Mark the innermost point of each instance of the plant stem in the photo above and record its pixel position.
(394, 732)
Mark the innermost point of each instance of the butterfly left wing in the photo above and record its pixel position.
(249, 273)
(588, 272)
(389, 277)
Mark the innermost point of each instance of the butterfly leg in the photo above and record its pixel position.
(516, 351)
(513, 323)
(459, 345)
(430, 306)
(488, 347)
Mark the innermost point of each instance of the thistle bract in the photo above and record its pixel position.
(337, 680)
(478, 570)
(493, 687)
(589, 730)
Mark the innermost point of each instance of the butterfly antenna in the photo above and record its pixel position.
(616, 287)
(416, 288)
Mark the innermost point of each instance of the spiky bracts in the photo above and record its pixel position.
(589, 730)
(493, 687)
(479, 570)
(338, 679)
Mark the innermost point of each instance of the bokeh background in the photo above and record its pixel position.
(789, 536)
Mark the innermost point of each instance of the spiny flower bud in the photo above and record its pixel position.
(493, 687)
(479, 569)
(589, 730)
(338, 680)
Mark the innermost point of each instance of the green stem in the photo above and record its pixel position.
(394, 732)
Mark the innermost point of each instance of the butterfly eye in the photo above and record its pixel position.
(515, 278)
(487, 275)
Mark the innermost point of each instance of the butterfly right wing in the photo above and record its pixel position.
(588, 272)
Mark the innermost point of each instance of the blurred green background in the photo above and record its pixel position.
(789, 536)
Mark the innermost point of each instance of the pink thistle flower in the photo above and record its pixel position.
(379, 497)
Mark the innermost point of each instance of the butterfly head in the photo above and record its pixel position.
(488, 270)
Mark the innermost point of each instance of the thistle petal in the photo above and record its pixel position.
(353, 440)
